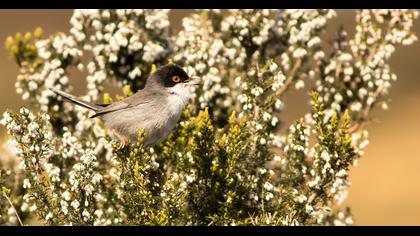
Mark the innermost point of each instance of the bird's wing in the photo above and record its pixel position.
(141, 97)
(111, 108)
(102, 104)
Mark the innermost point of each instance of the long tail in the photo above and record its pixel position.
(75, 100)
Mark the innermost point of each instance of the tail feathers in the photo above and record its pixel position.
(76, 100)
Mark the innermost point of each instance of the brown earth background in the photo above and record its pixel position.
(385, 185)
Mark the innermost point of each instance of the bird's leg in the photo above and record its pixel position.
(122, 138)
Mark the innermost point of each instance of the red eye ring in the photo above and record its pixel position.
(176, 79)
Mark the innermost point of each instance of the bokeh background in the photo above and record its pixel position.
(385, 185)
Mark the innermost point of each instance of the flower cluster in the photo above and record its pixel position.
(357, 75)
(230, 160)
(124, 43)
(199, 47)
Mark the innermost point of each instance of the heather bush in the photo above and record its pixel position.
(230, 160)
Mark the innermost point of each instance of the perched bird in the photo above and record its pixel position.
(156, 108)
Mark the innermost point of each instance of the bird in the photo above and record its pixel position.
(156, 108)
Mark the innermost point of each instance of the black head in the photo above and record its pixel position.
(168, 76)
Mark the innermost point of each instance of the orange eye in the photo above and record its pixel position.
(176, 79)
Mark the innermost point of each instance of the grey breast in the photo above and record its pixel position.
(142, 112)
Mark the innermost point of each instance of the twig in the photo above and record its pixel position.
(290, 77)
(14, 209)
(337, 71)
(365, 112)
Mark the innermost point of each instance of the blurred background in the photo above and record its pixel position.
(385, 185)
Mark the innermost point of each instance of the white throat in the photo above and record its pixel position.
(178, 98)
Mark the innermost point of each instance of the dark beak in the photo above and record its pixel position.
(194, 81)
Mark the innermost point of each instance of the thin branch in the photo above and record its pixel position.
(290, 77)
(14, 209)
(337, 71)
(365, 113)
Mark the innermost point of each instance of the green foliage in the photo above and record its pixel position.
(228, 161)
(22, 47)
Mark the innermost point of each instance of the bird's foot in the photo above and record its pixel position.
(123, 139)
(122, 145)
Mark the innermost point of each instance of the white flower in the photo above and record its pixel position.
(362, 92)
(24, 111)
(338, 97)
(301, 199)
(75, 204)
(345, 57)
(97, 178)
(113, 57)
(314, 41)
(269, 196)
(299, 84)
(278, 104)
(266, 116)
(33, 208)
(349, 221)
(274, 121)
(152, 52)
(277, 158)
(309, 209)
(49, 216)
(86, 214)
(190, 178)
(268, 186)
(6, 118)
(370, 100)
(325, 156)
(238, 81)
(257, 91)
(32, 85)
(26, 184)
(66, 196)
(319, 55)
(22, 165)
(273, 67)
(299, 53)
(357, 106)
(364, 144)
(134, 73)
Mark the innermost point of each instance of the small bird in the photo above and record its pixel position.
(156, 108)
